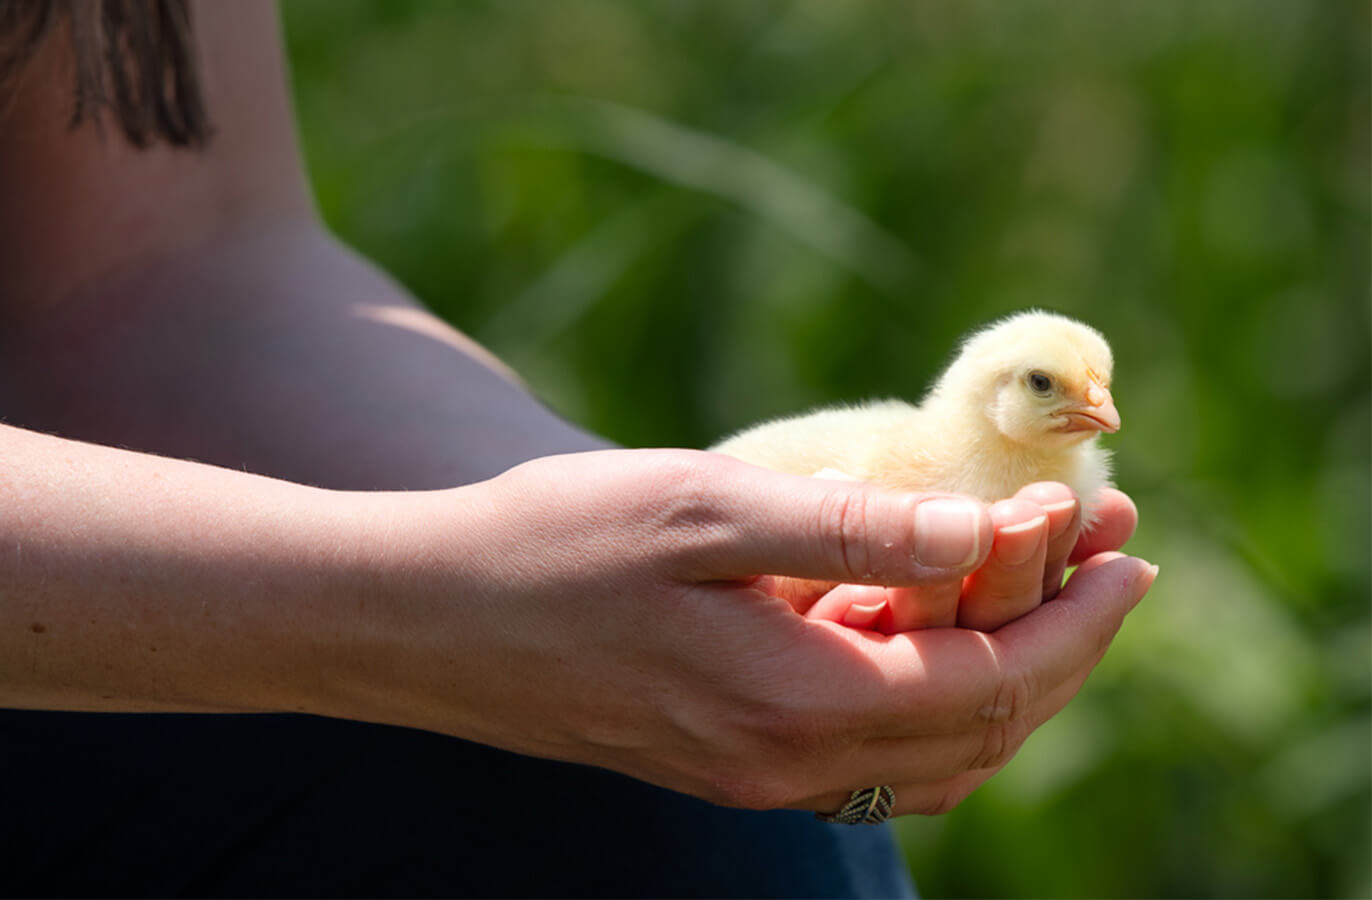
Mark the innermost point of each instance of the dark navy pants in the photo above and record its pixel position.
(283, 805)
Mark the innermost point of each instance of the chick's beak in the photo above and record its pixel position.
(1096, 413)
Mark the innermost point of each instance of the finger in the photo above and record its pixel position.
(765, 522)
(890, 610)
(953, 680)
(938, 756)
(932, 605)
(864, 615)
(854, 605)
(1010, 584)
(801, 593)
(925, 768)
(1115, 518)
(1064, 525)
(1066, 638)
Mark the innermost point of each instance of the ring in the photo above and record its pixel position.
(865, 806)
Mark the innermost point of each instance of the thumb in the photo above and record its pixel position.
(843, 531)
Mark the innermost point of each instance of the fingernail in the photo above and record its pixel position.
(1015, 544)
(1145, 582)
(947, 533)
(1063, 522)
(863, 616)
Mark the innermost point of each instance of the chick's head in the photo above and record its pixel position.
(1041, 379)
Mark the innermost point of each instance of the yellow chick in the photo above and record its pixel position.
(1024, 401)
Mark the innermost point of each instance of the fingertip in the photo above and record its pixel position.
(863, 615)
(1014, 511)
(952, 533)
(1096, 560)
(857, 606)
(1134, 585)
(1061, 504)
(1063, 517)
(1119, 498)
(1145, 582)
(1021, 526)
(1116, 504)
(1115, 519)
(1047, 493)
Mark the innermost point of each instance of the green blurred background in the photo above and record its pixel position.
(677, 217)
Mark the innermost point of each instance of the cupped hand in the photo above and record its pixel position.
(614, 609)
(992, 690)
(1038, 533)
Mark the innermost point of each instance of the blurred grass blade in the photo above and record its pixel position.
(582, 275)
(704, 162)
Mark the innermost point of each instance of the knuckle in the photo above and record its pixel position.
(677, 481)
(843, 523)
(1010, 701)
(993, 748)
(756, 791)
(798, 745)
(790, 735)
(999, 743)
(680, 499)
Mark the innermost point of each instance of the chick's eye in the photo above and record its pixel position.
(1040, 383)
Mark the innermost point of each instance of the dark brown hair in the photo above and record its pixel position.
(134, 58)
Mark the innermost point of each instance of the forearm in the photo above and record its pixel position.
(133, 582)
(281, 354)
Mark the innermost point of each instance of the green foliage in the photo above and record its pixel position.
(678, 217)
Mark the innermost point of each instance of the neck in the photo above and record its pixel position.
(82, 205)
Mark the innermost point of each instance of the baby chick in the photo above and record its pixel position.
(1024, 401)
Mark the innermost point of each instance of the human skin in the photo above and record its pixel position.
(615, 608)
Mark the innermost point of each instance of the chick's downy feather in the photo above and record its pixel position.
(1025, 400)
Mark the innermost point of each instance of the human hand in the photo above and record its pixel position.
(1037, 535)
(606, 608)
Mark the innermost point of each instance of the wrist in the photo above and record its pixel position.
(399, 627)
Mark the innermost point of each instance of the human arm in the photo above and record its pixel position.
(229, 328)
(281, 379)
(591, 607)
